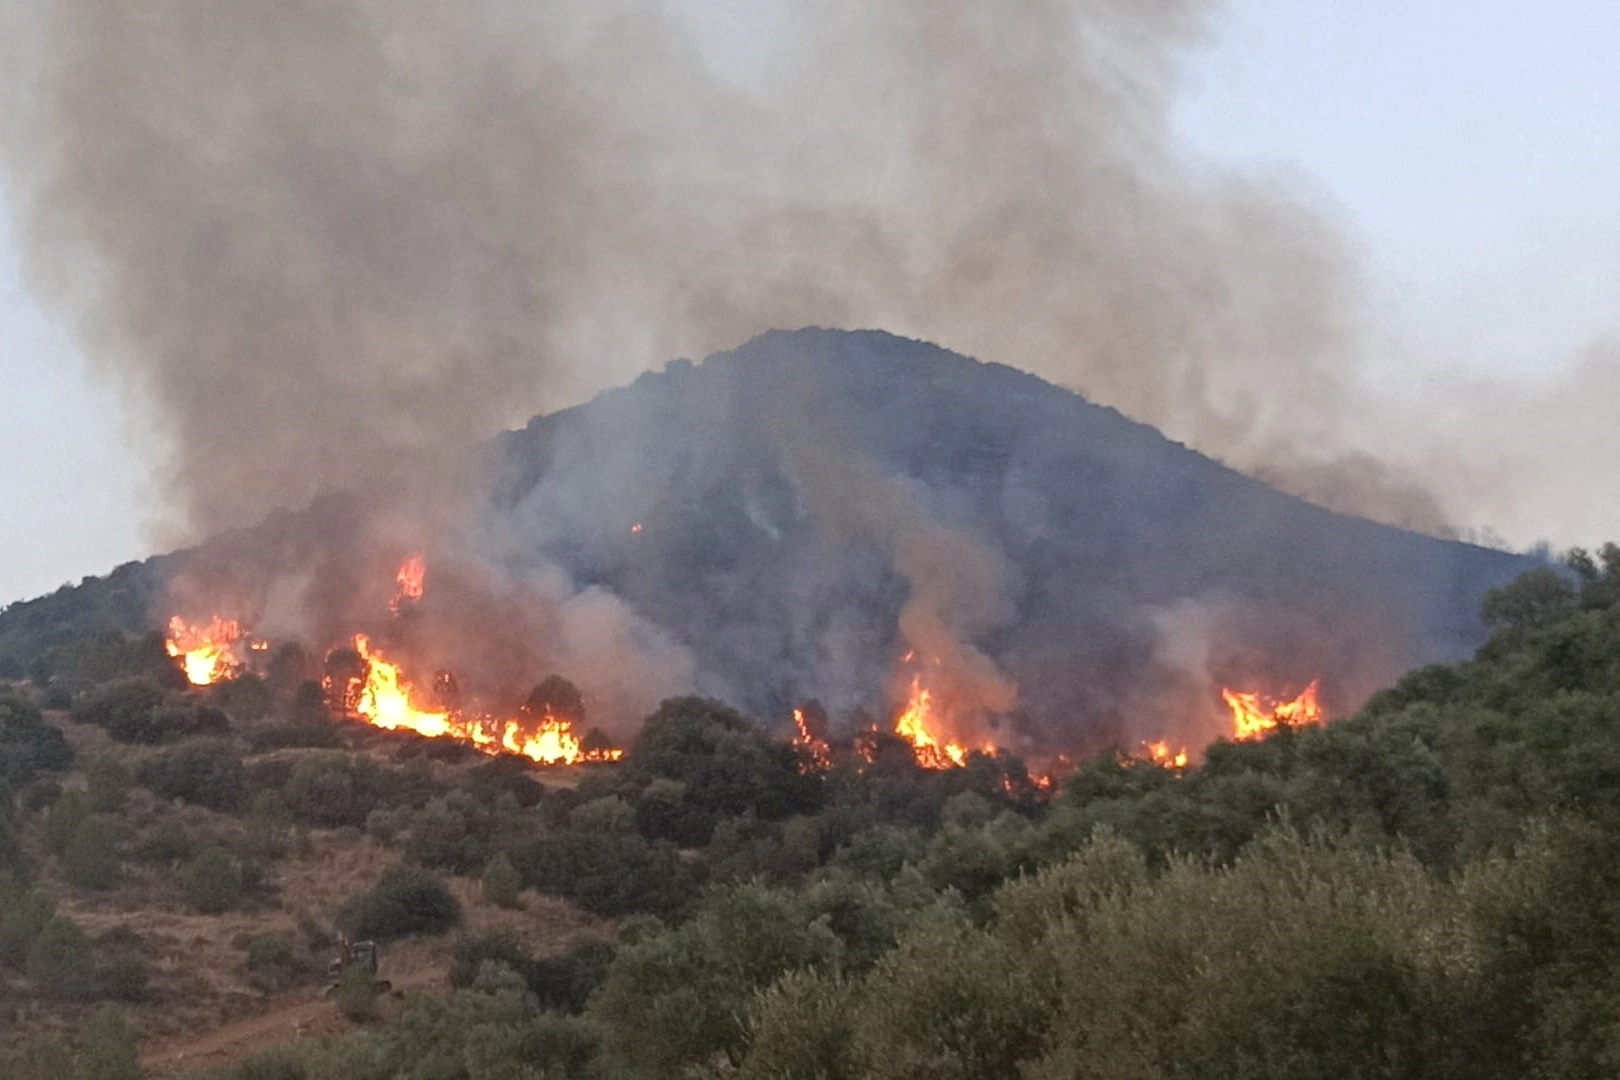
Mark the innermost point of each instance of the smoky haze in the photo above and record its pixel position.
(322, 244)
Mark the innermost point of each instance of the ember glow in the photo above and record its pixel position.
(411, 578)
(386, 701)
(1254, 716)
(917, 724)
(1160, 754)
(817, 755)
(207, 652)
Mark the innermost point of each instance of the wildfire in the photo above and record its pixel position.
(914, 726)
(1159, 753)
(1253, 716)
(411, 577)
(817, 754)
(385, 702)
(207, 652)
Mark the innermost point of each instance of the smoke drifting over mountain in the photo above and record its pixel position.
(319, 243)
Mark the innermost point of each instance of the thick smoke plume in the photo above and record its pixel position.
(321, 243)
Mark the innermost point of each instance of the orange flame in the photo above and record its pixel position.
(1159, 753)
(385, 702)
(1252, 716)
(817, 755)
(411, 578)
(914, 726)
(206, 652)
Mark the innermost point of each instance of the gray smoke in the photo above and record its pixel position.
(323, 243)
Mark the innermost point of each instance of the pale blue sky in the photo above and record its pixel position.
(1469, 152)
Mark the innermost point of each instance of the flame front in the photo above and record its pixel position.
(915, 726)
(384, 701)
(1252, 717)
(206, 652)
(817, 754)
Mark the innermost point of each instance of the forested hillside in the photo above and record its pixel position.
(1428, 888)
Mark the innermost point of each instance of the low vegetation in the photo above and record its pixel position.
(1429, 888)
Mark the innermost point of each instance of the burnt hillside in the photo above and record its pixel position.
(787, 520)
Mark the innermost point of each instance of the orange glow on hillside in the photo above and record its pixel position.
(1254, 716)
(206, 652)
(385, 701)
(817, 754)
(1159, 753)
(411, 578)
(916, 725)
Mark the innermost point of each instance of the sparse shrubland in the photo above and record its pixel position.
(1428, 888)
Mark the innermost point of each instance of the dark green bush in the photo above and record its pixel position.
(28, 745)
(213, 882)
(407, 901)
(501, 882)
(126, 704)
(60, 963)
(205, 773)
(91, 860)
(274, 963)
(24, 912)
(609, 874)
(559, 983)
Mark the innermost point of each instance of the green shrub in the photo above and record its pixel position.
(357, 995)
(170, 840)
(322, 793)
(91, 859)
(108, 785)
(320, 734)
(273, 963)
(212, 882)
(501, 882)
(125, 705)
(558, 983)
(41, 1057)
(208, 774)
(408, 900)
(69, 813)
(28, 745)
(108, 1048)
(60, 963)
(24, 913)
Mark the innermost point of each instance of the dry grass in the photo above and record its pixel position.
(203, 1008)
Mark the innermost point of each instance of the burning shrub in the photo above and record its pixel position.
(407, 901)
